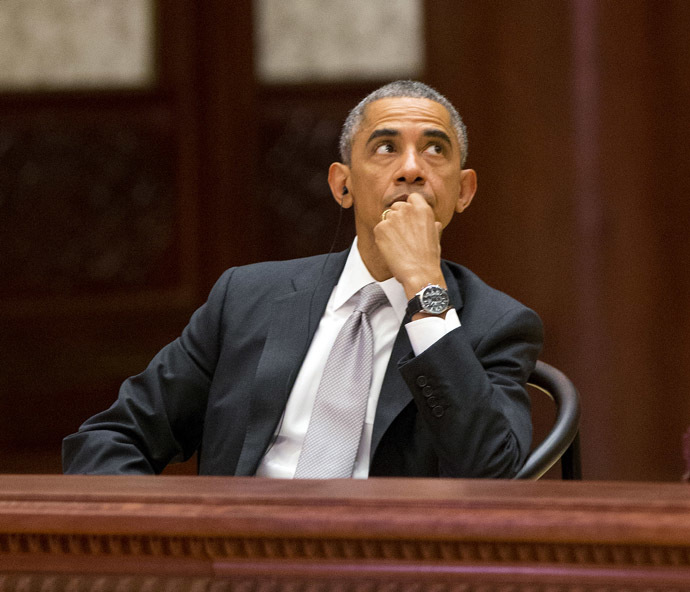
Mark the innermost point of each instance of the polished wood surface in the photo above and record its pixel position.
(194, 533)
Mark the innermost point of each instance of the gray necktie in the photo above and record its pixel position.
(335, 427)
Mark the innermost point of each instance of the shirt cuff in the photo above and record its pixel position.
(427, 331)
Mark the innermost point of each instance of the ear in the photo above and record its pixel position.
(468, 187)
(338, 177)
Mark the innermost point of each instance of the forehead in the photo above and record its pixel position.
(399, 112)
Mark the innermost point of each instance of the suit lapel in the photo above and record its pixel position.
(395, 395)
(454, 292)
(294, 319)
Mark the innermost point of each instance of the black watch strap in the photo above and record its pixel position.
(414, 305)
(432, 299)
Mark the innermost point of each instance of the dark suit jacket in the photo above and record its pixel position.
(459, 409)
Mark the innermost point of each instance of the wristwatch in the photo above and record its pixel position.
(432, 299)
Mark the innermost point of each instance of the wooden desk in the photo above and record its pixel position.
(201, 533)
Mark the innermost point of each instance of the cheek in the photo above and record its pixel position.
(368, 188)
(450, 185)
(447, 195)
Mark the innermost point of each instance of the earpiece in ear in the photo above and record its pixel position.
(342, 197)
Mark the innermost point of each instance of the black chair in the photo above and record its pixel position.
(563, 440)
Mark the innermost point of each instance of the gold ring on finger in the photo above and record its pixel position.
(385, 213)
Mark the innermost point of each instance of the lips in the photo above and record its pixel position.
(396, 199)
(403, 197)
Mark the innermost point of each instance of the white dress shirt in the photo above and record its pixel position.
(281, 459)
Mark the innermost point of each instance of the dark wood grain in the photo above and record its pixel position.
(392, 534)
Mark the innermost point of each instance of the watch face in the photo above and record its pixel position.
(434, 299)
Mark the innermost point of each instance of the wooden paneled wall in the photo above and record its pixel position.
(579, 114)
(115, 218)
(119, 210)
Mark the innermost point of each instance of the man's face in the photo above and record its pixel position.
(403, 146)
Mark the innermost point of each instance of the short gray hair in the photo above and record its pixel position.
(400, 88)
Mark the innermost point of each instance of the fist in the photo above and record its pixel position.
(409, 241)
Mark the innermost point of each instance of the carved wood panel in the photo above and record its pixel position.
(102, 197)
(244, 534)
(86, 207)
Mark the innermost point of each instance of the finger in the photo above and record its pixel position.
(419, 200)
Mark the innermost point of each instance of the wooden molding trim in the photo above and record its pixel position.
(199, 533)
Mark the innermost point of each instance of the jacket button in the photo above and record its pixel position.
(438, 411)
(432, 401)
(421, 381)
(427, 391)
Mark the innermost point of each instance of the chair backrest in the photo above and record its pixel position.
(563, 441)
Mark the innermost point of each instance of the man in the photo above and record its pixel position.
(246, 383)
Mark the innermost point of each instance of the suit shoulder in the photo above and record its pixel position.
(275, 277)
(477, 294)
(279, 268)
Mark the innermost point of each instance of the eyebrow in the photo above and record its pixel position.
(386, 132)
(383, 132)
(439, 134)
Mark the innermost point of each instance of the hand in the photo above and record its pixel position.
(409, 240)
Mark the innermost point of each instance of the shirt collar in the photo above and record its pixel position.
(355, 276)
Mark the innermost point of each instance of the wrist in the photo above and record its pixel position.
(414, 284)
(431, 301)
(425, 315)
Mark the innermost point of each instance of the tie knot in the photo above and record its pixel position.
(371, 297)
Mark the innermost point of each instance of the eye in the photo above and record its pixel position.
(435, 149)
(385, 148)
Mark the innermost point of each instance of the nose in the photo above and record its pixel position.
(411, 170)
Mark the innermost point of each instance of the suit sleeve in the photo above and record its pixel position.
(472, 397)
(158, 415)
